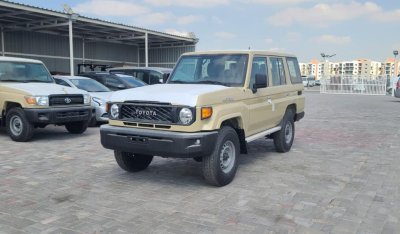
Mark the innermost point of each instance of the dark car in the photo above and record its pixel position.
(397, 90)
(150, 75)
(114, 81)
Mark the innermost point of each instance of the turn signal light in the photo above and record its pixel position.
(31, 100)
(206, 112)
(107, 107)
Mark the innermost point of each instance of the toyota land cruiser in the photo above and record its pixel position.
(212, 105)
(29, 98)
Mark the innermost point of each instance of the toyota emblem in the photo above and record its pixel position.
(68, 100)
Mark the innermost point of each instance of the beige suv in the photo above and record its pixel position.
(213, 104)
(29, 99)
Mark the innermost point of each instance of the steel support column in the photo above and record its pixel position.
(83, 53)
(2, 42)
(71, 48)
(146, 49)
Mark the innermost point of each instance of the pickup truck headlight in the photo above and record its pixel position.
(98, 101)
(185, 115)
(86, 99)
(37, 100)
(114, 111)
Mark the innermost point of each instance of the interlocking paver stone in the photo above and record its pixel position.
(341, 176)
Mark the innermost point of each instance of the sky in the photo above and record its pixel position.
(350, 29)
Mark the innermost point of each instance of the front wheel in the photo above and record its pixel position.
(17, 125)
(219, 168)
(132, 162)
(283, 139)
(77, 127)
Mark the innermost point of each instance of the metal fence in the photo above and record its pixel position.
(367, 85)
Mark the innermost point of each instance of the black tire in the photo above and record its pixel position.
(283, 139)
(18, 127)
(132, 162)
(77, 127)
(198, 159)
(93, 122)
(213, 172)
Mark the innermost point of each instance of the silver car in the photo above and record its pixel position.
(100, 94)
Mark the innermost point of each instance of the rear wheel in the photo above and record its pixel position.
(77, 127)
(132, 162)
(283, 139)
(219, 168)
(17, 125)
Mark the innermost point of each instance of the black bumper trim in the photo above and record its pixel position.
(158, 143)
(299, 116)
(59, 115)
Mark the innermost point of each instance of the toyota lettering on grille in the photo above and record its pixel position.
(67, 100)
(146, 112)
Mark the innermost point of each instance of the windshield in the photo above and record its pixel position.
(24, 72)
(228, 70)
(90, 85)
(132, 80)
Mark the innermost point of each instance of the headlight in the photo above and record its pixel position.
(86, 99)
(99, 101)
(37, 100)
(114, 111)
(185, 116)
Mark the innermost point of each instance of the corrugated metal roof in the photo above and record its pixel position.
(55, 13)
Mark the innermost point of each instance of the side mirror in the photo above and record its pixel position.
(165, 77)
(261, 82)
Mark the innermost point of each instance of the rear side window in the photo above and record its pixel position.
(278, 71)
(294, 70)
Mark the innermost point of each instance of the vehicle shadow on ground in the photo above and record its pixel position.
(51, 134)
(187, 172)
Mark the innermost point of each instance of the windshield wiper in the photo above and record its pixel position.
(211, 82)
(177, 82)
(10, 80)
(39, 81)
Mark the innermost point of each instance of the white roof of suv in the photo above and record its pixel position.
(22, 60)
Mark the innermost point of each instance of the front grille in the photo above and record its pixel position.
(69, 114)
(66, 100)
(148, 113)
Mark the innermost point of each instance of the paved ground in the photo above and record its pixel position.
(342, 176)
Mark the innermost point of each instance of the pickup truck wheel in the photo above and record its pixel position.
(283, 139)
(220, 167)
(17, 125)
(132, 162)
(77, 127)
(93, 122)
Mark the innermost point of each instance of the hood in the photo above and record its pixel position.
(176, 94)
(102, 95)
(43, 89)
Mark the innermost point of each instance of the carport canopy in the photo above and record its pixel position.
(19, 17)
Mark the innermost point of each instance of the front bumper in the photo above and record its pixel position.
(158, 143)
(59, 115)
(101, 114)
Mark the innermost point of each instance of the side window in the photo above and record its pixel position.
(61, 82)
(155, 77)
(278, 71)
(112, 82)
(259, 67)
(294, 70)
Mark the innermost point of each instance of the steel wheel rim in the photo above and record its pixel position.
(16, 125)
(227, 156)
(288, 132)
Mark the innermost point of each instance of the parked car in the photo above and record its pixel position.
(29, 99)
(149, 75)
(317, 82)
(397, 91)
(209, 115)
(308, 81)
(100, 94)
(114, 81)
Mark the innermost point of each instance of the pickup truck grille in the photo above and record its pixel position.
(163, 114)
(66, 100)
